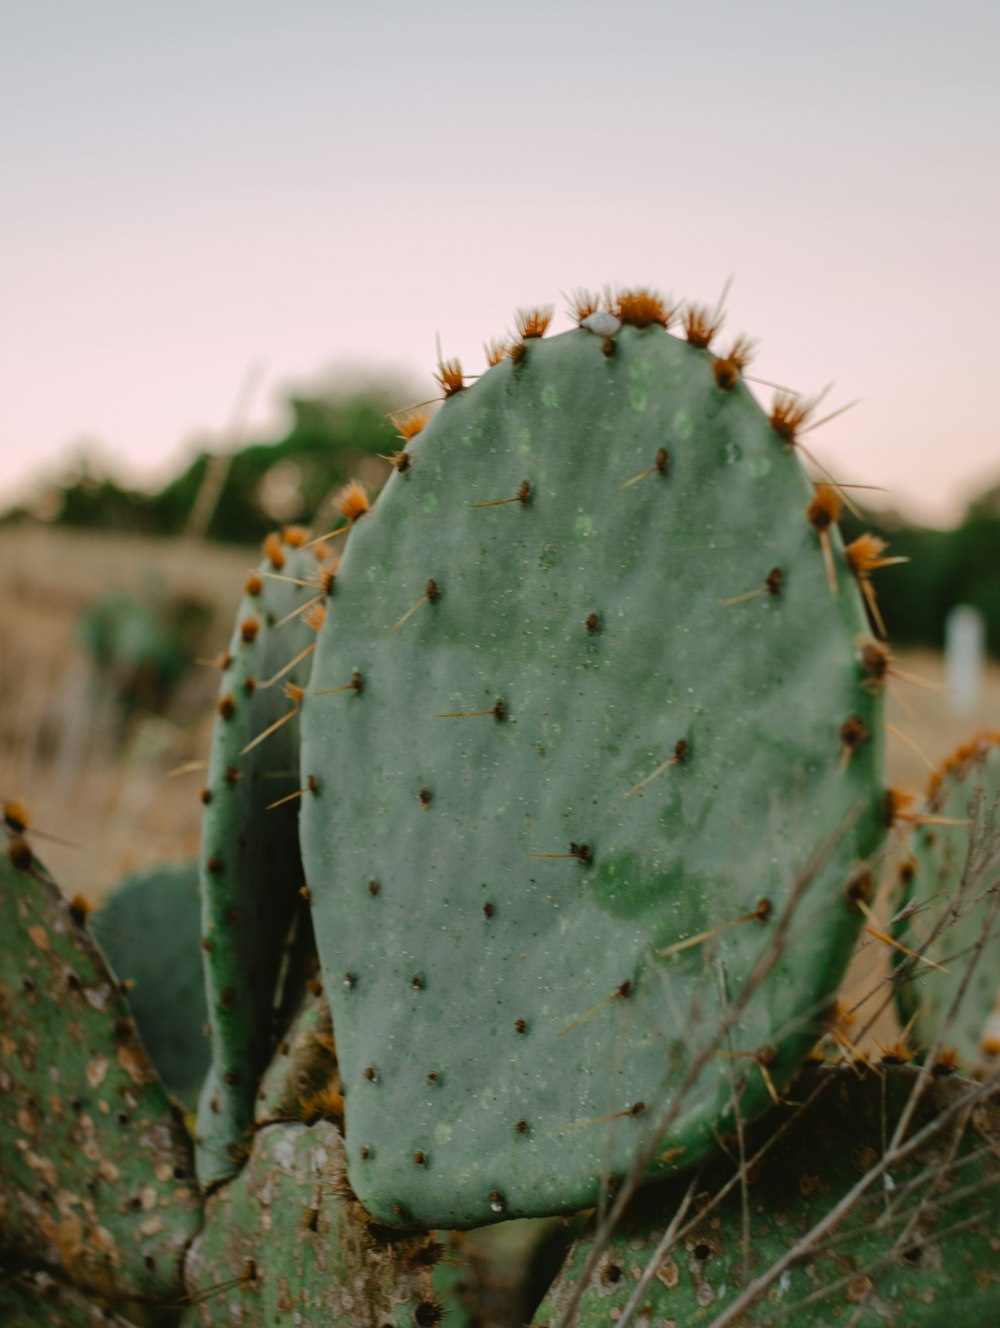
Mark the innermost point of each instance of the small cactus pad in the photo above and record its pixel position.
(950, 910)
(302, 1080)
(603, 710)
(286, 1242)
(166, 984)
(917, 1246)
(96, 1174)
(251, 874)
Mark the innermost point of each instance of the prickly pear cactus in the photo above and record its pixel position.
(251, 875)
(597, 736)
(149, 929)
(286, 1241)
(911, 1246)
(949, 909)
(96, 1173)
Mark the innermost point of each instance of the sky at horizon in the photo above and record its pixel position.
(195, 189)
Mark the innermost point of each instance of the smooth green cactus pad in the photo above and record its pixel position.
(96, 1174)
(595, 740)
(950, 909)
(167, 992)
(914, 1243)
(251, 875)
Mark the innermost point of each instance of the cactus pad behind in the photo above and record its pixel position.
(950, 885)
(251, 874)
(35, 1300)
(596, 699)
(167, 994)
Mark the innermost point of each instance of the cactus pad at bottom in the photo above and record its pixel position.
(918, 1247)
(285, 1241)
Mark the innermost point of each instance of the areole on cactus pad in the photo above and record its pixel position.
(596, 729)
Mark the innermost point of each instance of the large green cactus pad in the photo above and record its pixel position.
(950, 909)
(251, 874)
(560, 750)
(95, 1166)
(917, 1246)
(167, 991)
(286, 1242)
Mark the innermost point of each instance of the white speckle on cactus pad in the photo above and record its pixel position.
(284, 1153)
(601, 323)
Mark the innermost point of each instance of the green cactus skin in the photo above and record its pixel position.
(946, 918)
(251, 874)
(938, 1276)
(96, 1173)
(30, 1299)
(167, 992)
(505, 1016)
(286, 1242)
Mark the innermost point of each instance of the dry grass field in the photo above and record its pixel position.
(112, 800)
(112, 806)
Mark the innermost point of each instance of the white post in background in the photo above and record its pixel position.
(964, 648)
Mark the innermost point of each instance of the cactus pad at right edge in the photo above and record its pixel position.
(612, 740)
(949, 910)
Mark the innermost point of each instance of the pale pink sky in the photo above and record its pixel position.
(187, 189)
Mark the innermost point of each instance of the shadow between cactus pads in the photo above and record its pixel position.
(575, 743)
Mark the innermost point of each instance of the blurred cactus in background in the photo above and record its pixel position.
(141, 644)
(333, 436)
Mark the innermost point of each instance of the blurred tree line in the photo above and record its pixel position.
(333, 438)
(341, 435)
(946, 567)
